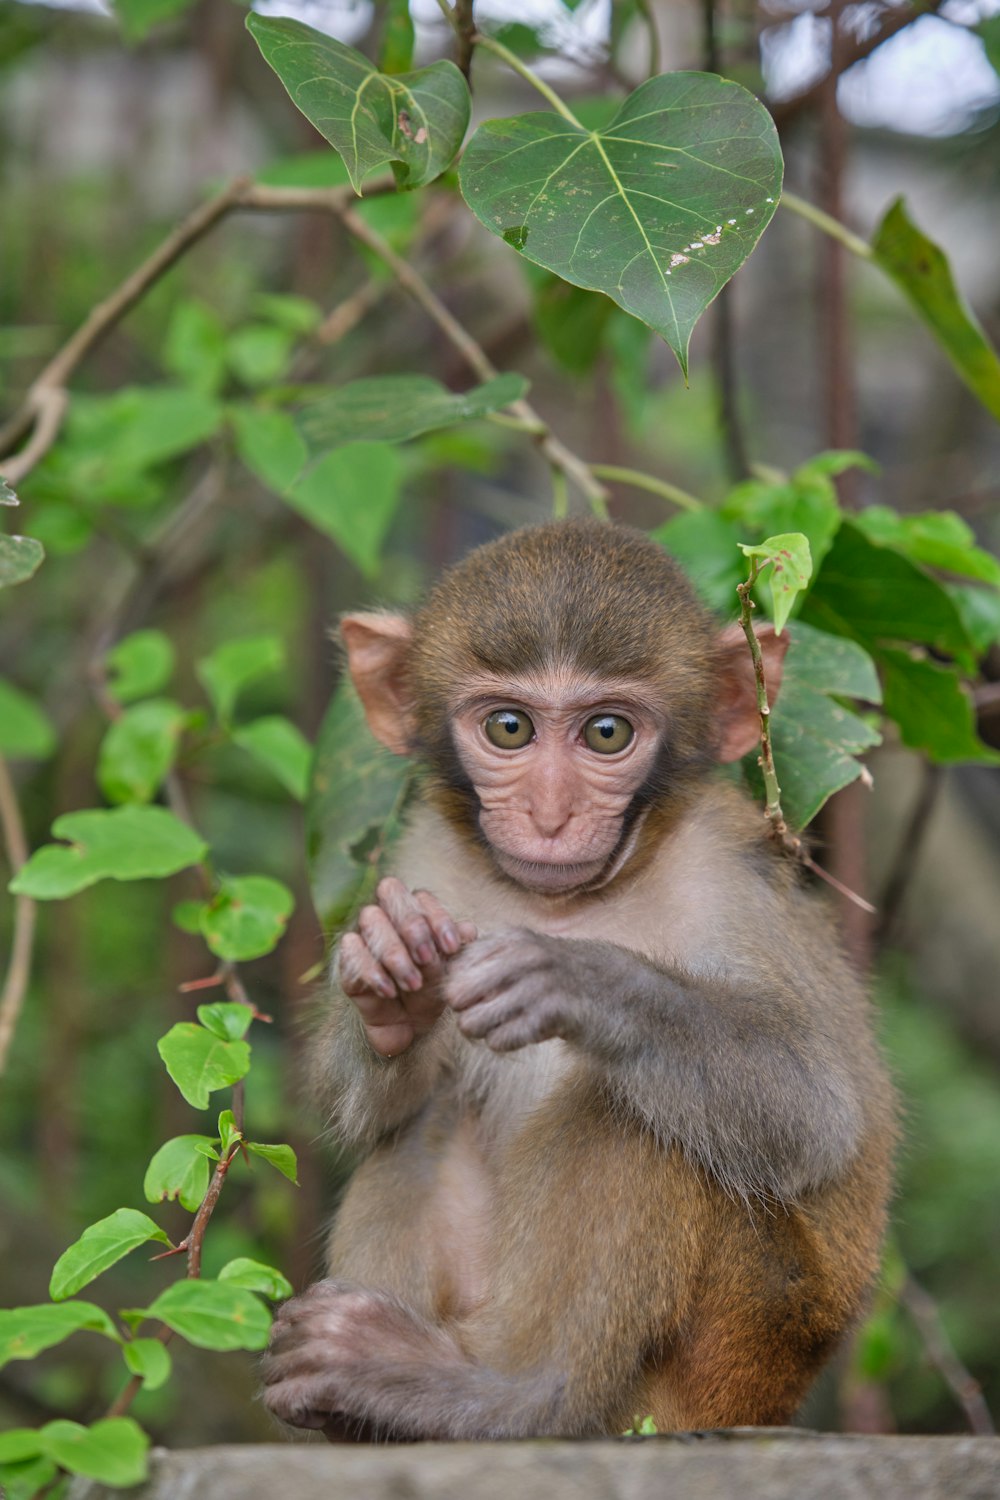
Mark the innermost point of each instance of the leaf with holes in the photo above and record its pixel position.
(413, 121)
(657, 209)
(179, 1170)
(789, 565)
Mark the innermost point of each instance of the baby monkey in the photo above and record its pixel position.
(628, 1135)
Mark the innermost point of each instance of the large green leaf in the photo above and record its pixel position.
(932, 708)
(706, 545)
(353, 811)
(921, 269)
(200, 1062)
(393, 408)
(414, 121)
(815, 739)
(937, 538)
(113, 1450)
(20, 558)
(127, 843)
(140, 426)
(270, 445)
(657, 209)
(26, 1331)
(213, 1314)
(101, 1245)
(874, 594)
(352, 495)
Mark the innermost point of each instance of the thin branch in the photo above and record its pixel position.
(649, 482)
(19, 967)
(892, 21)
(964, 1387)
(49, 410)
(515, 64)
(40, 400)
(558, 455)
(465, 32)
(828, 224)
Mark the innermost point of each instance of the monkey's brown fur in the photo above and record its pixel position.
(679, 1211)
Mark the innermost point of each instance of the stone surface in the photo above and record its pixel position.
(751, 1465)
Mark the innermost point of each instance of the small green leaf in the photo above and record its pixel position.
(281, 1157)
(26, 1331)
(270, 445)
(298, 314)
(140, 427)
(247, 918)
(259, 354)
(25, 728)
(656, 208)
(114, 1450)
(278, 744)
(229, 1131)
(932, 709)
(20, 558)
(352, 495)
(921, 269)
(394, 408)
(141, 664)
(213, 1314)
(195, 346)
(149, 1359)
(415, 121)
(789, 565)
(127, 843)
(179, 1170)
(226, 1019)
(354, 809)
(199, 1063)
(233, 666)
(257, 1277)
(102, 1245)
(139, 749)
(187, 916)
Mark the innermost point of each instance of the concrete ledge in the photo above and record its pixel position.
(748, 1464)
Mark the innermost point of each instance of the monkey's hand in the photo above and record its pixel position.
(391, 967)
(517, 987)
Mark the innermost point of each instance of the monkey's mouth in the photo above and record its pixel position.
(541, 875)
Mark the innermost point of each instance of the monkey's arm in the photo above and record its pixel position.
(744, 1077)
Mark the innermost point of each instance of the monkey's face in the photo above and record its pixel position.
(556, 759)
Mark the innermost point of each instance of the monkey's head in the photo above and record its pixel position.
(560, 683)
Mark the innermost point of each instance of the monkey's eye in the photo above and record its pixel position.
(508, 729)
(607, 733)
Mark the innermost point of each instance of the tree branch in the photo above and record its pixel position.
(964, 1387)
(19, 967)
(893, 20)
(558, 455)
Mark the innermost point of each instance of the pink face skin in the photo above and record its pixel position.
(552, 810)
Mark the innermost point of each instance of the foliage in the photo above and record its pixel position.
(332, 457)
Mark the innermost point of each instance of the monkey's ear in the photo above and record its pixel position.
(377, 646)
(739, 720)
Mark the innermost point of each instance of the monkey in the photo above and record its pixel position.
(626, 1131)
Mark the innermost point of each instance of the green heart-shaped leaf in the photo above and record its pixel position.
(656, 209)
(414, 121)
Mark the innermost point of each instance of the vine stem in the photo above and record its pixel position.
(828, 224)
(649, 482)
(19, 968)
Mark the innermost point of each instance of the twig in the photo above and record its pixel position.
(790, 843)
(558, 455)
(642, 481)
(465, 32)
(964, 1387)
(41, 399)
(890, 22)
(906, 856)
(19, 967)
(49, 411)
(828, 224)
